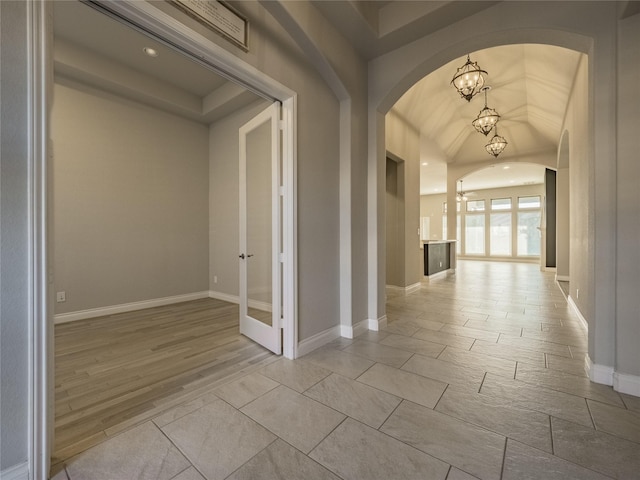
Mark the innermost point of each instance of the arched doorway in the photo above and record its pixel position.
(393, 74)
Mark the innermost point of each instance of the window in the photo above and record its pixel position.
(528, 233)
(501, 204)
(474, 234)
(500, 234)
(475, 206)
(528, 202)
(425, 228)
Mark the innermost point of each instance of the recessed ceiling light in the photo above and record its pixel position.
(506, 167)
(152, 52)
(425, 163)
(437, 190)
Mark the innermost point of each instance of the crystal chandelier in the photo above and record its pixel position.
(487, 118)
(496, 145)
(468, 79)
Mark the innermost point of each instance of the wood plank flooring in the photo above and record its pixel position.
(115, 371)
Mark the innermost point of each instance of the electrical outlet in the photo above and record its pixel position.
(61, 297)
(441, 264)
(577, 293)
(215, 279)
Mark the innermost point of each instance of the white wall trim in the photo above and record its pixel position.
(379, 324)
(17, 472)
(625, 383)
(404, 290)
(127, 307)
(576, 310)
(562, 278)
(226, 297)
(483, 258)
(318, 340)
(40, 348)
(598, 373)
(351, 331)
(264, 306)
(437, 276)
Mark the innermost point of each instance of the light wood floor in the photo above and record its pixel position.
(115, 371)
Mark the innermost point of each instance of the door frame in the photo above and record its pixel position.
(39, 91)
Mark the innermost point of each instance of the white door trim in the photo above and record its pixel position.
(40, 368)
(40, 326)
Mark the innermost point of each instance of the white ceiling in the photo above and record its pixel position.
(376, 27)
(97, 50)
(530, 90)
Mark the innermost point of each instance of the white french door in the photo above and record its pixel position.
(260, 256)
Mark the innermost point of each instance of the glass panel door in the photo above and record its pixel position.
(260, 214)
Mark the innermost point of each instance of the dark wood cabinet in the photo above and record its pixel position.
(438, 256)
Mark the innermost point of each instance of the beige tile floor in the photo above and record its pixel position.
(478, 375)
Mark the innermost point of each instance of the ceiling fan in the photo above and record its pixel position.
(461, 195)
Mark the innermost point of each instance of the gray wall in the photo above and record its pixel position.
(403, 141)
(581, 211)
(628, 198)
(14, 306)
(130, 208)
(394, 212)
(563, 209)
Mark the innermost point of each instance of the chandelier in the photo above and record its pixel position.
(468, 79)
(496, 145)
(487, 118)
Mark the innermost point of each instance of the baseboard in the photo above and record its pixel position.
(625, 383)
(224, 297)
(576, 310)
(264, 306)
(318, 340)
(351, 331)
(405, 290)
(377, 325)
(437, 276)
(533, 260)
(126, 307)
(17, 472)
(562, 278)
(598, 373)
(412, 288)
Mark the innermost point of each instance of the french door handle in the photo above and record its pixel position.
(249, 255)
(242, 256)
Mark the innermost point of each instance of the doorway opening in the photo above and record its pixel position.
(145, 199)
(430, 127)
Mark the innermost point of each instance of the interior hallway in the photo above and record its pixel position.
(478, 375)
